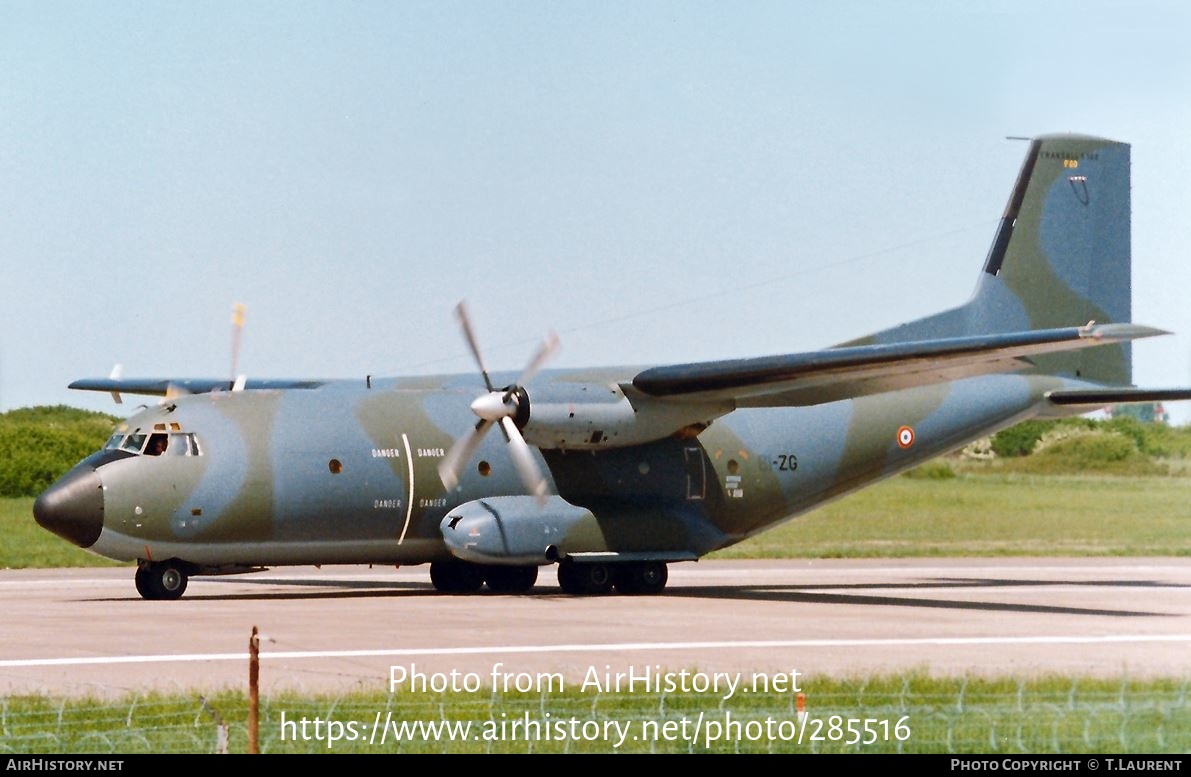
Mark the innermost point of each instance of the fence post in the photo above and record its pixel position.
(254, 676)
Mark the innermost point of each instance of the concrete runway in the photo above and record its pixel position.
(85, 631)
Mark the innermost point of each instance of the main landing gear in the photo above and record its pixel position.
(640, 577)
(462, 577)
(161, 579)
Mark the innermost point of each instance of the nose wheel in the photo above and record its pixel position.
(161, 580)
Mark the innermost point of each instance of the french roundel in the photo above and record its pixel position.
(905, 437)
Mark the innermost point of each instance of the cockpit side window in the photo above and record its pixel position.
(158, 443)
(114, 441)
(182, 445)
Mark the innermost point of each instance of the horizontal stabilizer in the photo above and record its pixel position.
(1101, 397)
(842, 373)
(161, 387)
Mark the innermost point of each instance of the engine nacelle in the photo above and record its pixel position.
(517, 531)
(593, 416)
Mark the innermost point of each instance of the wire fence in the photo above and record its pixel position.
(892, 714)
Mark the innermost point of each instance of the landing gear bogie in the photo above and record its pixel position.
(456, 577)
(510, 580)
(645, 578)
(641, 577)
(585, 579)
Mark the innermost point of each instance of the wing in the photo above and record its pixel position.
(160, 387)
(842, 373)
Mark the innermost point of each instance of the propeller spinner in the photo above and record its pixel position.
(499, 407)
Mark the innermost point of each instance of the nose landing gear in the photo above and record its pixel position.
(161, 580)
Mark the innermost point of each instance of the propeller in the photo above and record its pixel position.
(174, 390)
(238, 381)
(499, 407)
(117, 373)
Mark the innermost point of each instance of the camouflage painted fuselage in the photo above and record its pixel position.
(347, 472)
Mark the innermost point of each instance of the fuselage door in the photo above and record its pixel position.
(696, 474)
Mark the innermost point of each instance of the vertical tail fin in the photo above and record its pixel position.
(1060, 257)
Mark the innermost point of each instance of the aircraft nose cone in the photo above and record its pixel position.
(72, 508)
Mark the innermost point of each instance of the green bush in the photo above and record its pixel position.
(1145, 436)
(1151, 439)
(1071, 450)
(39, 444)
(1092, 448)
(1019, 440)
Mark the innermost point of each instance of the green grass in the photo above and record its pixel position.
(1005, 716)
(26, 544)
(991, 515)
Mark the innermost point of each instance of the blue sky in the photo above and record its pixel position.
(658, 182)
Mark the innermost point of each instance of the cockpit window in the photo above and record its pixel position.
(157, 443)
(134, 442)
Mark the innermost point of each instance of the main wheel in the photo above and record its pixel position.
(161, 580)
(510, 580)
(581, 579)
(456, 577)
(142, 583)
(646, 577)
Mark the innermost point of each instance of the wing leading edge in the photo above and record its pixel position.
(829, 375)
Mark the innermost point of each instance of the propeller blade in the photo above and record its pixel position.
(173, 391)
(238, 311)
(545, 352)
(527, 468)
(117, 373)
(460, 453)
(469, 333)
